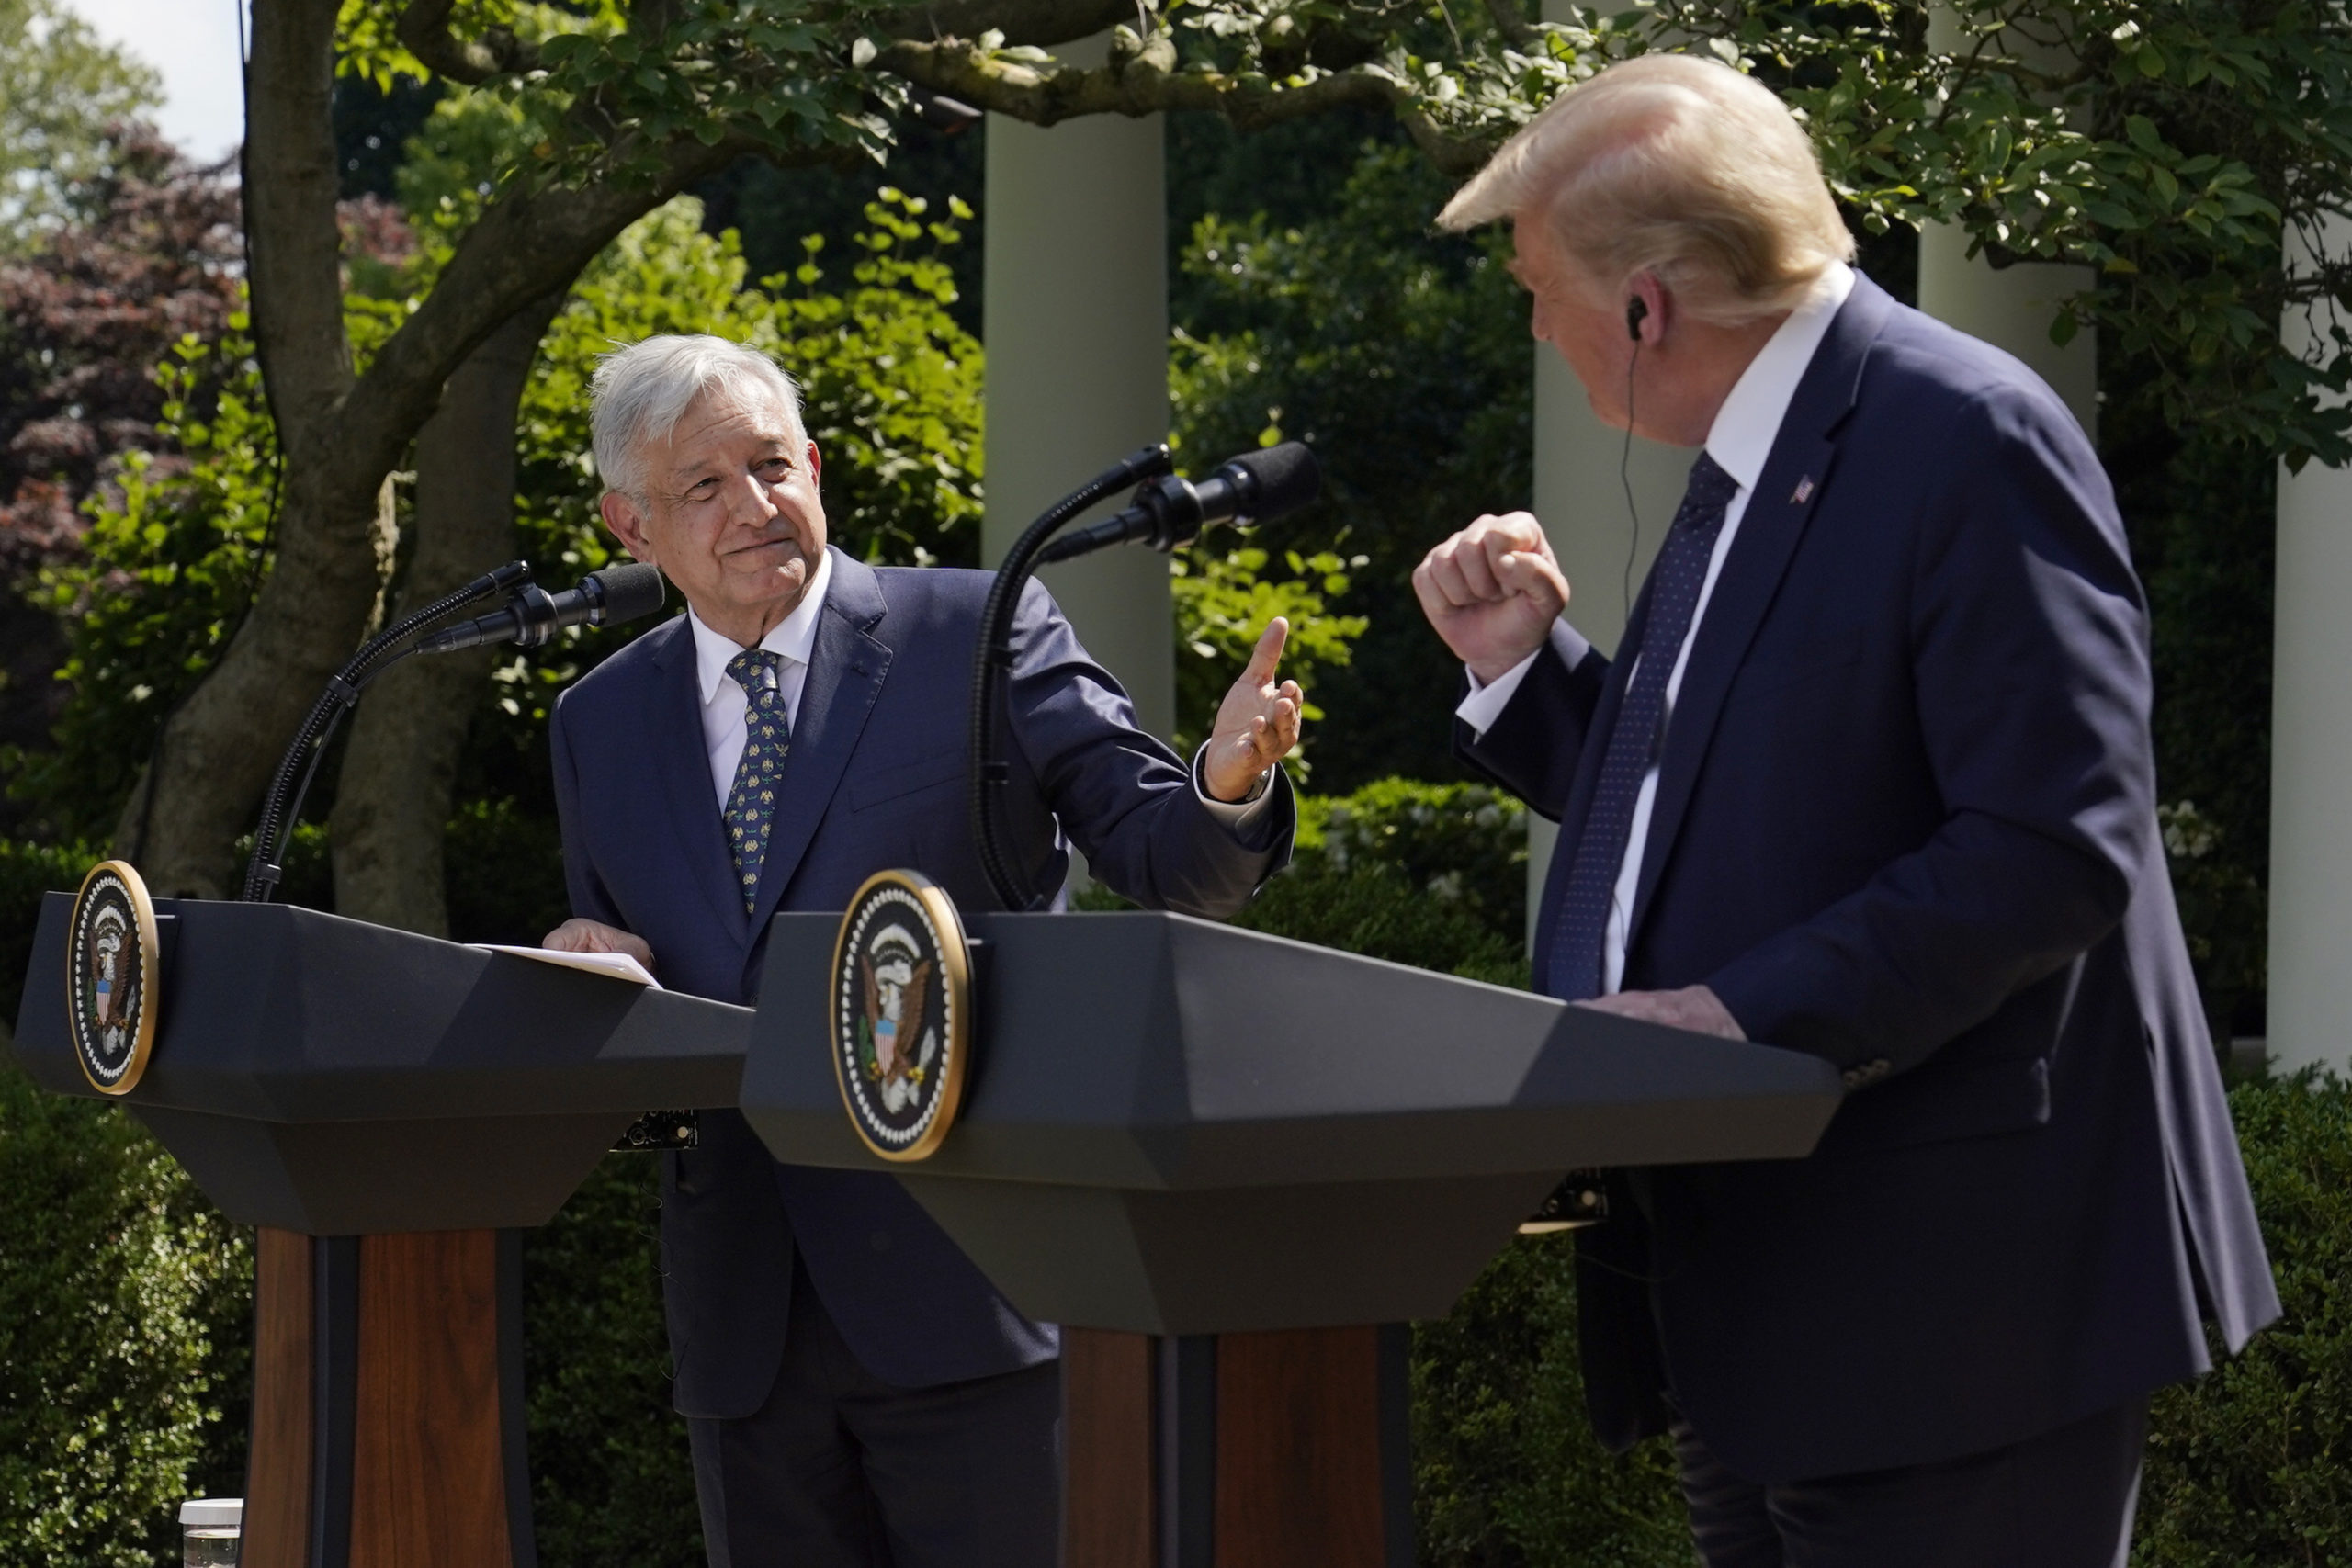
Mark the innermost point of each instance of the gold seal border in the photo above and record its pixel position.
(956, 986)
(151, 974)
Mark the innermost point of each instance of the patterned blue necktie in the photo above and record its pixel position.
(767, 737)
(1639, 733)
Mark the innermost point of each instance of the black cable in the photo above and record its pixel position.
(992, 665)
(283, 805)
(1625, 478)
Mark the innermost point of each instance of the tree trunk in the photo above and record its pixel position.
(218, 750)
(393, 800)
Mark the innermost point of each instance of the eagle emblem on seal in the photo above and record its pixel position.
(894, 1052)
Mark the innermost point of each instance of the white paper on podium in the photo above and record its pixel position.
(613, 966)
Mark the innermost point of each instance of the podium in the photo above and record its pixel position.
(1230, 1165)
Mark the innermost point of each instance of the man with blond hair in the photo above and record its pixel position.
(857, 1394)
(1870, 778)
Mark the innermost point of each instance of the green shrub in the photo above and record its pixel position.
(123, 1328)
(611, 1483)
(1464, 844)
(27, 871)
(1506, 1469)
(2251, 1467)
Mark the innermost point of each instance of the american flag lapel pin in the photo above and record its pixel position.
(1804, 489)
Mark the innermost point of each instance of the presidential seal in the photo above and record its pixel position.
(901, 1014)
(111, 965)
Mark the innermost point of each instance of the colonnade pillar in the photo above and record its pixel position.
(2310, 756)
(1075, 319)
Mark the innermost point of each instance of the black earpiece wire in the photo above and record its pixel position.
(1638, 311)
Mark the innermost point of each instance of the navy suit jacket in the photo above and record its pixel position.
(1905, 820)
(875, 779)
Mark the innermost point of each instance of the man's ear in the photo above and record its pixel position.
(627, 524)
(816, 464)
(1654, 304)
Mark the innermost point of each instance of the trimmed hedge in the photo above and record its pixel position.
(124, 1335)
(124, 1303)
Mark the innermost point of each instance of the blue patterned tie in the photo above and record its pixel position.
(767, 737)
(1639, 734)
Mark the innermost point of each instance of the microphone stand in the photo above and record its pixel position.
(992, 668)
(283, 806)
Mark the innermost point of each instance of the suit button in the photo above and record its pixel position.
(880, 1241)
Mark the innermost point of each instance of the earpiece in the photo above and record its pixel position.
(1638, 311)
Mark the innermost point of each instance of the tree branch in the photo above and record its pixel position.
(1040, 22)
(423, 28)
(1143, 81)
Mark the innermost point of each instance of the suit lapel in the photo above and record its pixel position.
(1796, 475)
(681, 755)
(846, 672)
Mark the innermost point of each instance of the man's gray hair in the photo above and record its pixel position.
(1674, 165)
(641, 392)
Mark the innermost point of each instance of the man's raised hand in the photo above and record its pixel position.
(1492, 591)
(1256, 724)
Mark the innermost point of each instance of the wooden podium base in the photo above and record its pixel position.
(388, 1403)
(388, 1425)
(1236, 1451)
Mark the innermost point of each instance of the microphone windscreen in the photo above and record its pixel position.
(631, 592)
(1288, 478)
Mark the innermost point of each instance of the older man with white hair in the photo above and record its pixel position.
(1870, 778)
(857, 1393)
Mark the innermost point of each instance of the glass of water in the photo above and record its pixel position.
(210, 1529)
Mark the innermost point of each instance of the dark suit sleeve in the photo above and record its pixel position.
(589, 900)
(1125, 799)
(1534, 745)
(2029, 668)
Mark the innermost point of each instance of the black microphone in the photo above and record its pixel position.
(603, 598)
(1171, 511)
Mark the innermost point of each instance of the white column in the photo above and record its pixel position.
(1075, 319)
(1584, 511)
(2311, 758)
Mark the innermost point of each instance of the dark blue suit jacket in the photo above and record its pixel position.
(875, 779)
(1905, 820)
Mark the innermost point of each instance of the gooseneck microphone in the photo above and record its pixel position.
(1170, 511)
(532, 615)
(605, 598)
(1164, 511)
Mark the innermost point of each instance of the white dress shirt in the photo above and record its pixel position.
(724, 705)
(1739, 441)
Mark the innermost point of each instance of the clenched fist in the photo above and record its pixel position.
(1492, 591)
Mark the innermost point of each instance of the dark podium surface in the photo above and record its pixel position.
(1231, 1166)
(1177, 1127)
(325, 1076)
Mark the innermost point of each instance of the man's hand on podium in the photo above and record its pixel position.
(1693, 1008)
(577, 935)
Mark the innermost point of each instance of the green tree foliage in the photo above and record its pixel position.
(63, 91)
(1402, 358)
(2187, 149)
(170, 563)
(1223, 602)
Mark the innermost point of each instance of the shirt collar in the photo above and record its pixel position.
(795, 637)
(1749, 421)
